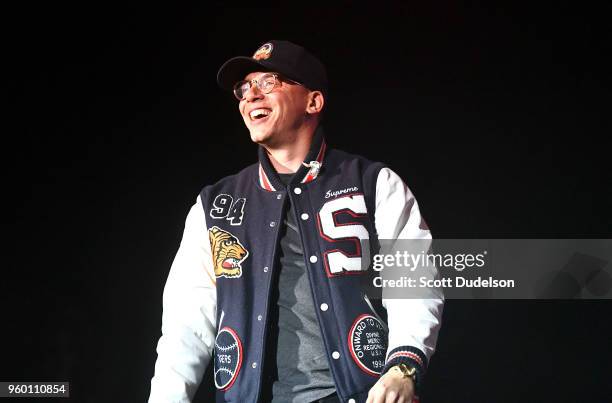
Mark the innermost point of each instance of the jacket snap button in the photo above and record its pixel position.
(272, 224)
(304, 216)
(254, 365)
(324, 307)
(351, 401)
(335, 355)
(313, 259)
(266, 269)
(279, 196)
(297, 191)
(259, 317)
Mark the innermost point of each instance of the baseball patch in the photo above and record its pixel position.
(367, 343)
(228, 358)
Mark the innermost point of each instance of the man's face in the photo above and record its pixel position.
(274, 118)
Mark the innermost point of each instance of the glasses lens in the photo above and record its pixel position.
(267, 83)
(241, 88)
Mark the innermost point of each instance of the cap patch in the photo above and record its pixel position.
(263, 52)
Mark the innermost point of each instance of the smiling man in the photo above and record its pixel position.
(267, 281)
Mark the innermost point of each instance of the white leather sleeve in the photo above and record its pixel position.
(189, 316)
(412, 322)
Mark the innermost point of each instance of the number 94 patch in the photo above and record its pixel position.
(224, 206)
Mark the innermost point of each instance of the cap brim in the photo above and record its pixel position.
(236, 68)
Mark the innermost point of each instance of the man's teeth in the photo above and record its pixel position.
(259, 113)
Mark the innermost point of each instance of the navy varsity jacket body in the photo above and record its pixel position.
(216, 300)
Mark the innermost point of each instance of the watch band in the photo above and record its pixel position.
(408, 372)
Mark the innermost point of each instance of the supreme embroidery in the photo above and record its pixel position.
(335, 193)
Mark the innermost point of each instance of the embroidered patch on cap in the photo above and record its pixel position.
(228, 358)
(367, 342)
(263, 52)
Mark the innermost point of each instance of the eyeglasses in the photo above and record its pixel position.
(265, 84)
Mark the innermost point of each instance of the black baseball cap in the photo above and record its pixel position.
(284, 57)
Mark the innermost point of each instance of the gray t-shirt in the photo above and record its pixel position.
(303, 370)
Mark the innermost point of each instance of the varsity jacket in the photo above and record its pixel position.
(217, 296)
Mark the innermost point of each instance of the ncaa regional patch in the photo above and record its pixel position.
(228, 358)
(367, 343)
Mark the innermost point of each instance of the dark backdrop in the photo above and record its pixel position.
(495, 115)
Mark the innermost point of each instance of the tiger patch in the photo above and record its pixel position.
(227, 253)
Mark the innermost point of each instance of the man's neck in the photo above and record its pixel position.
(287, 158)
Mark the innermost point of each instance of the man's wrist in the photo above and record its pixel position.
(412, 358)
(406, 371)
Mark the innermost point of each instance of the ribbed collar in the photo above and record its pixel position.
(268, 177)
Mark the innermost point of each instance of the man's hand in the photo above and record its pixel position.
(392, 387)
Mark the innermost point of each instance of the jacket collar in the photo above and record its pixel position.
(308, 171)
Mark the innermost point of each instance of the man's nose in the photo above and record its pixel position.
(253, 93)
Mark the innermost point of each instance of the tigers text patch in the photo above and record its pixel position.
(228, 358)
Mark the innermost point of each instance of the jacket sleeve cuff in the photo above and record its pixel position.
(410, 356)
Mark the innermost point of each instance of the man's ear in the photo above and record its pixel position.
(315, 102)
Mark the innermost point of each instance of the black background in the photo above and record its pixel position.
(495, 115)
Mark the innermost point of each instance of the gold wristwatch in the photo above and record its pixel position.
(408, 372)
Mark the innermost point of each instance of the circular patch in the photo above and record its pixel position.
(367, 342)
(263, 52)
(228, 358)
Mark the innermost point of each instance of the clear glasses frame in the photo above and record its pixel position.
(265, 84)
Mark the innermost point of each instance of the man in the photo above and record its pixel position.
(268, 277)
